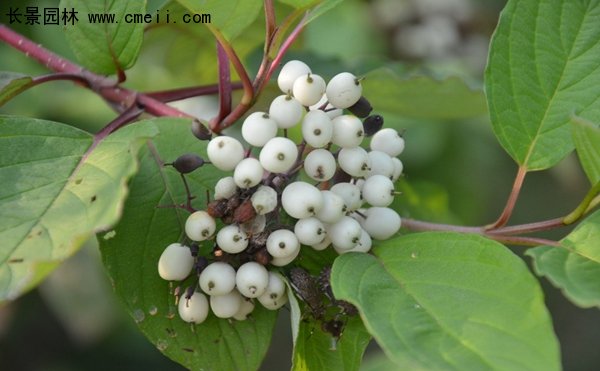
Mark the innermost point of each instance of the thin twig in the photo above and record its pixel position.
(512, 200)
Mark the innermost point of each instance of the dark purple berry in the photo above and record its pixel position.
(362, 108)
(372, 124)
(187, 163)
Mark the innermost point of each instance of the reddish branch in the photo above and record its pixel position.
(121, 98)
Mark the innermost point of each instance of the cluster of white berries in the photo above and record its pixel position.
(337, 193)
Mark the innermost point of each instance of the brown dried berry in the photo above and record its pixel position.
(244, 212)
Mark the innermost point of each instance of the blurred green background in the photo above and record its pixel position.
(73, 322)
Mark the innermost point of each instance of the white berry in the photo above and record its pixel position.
(217, 278)
(363, 245)
(246, 308)
(248, 173)
(308, 89)
(323, 244)
(378, 230)
(354, 161)
(232, 239)
(301, 200)
(225, 152)
(378, 190)
(347, 131)
(282, 243)
(194, 309)
(320, 165)
(274, 297)
(175, 263)
(317, 129)
(264, 200)
(398, 168)
(333, 208)
(289, 73)
(310, 231)
(381, 164)
(252, 279)
(258, 128)
(345, 234)
(343, 90)
(388, 141)
(281, 262)
(200, 226)
(350, 193)
(286, 111)
(278, 155)
(226, 305)
(225, 188)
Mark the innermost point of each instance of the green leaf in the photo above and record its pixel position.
(11, 84)
(321, 8)
(105, 46)
(423, 96)
(575, 269)
(423, 200)
(442, 300)
(131, 251)
(543, 66)
(55, 193)
(587, 141)
(317, 350)
(230, 17)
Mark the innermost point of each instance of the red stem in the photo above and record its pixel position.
(512, 200)
(193, 91)
(224, 85)
(120, 97)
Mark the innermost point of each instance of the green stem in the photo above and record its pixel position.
(584, 207)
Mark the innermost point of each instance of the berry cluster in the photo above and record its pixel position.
(282, 195)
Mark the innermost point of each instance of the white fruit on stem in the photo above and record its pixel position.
(301, 200)
(264, 200)
(282, 243)
(232, 239)
(252, 279)
(225, 188)
(194, 309)
(225, 152)
(286, 111)
(389, 141)
(248, 173)
(343, 90)
(278, 155)
(345, 234)
(246, 308)
(350, 193)
(175, 263)
(347, 131)
(258, 128)
(275, 295)
(200, 226)
(310, 231)
(226, 305)
(320, 165)
(333, 208)
(378, 190)
(317, 129)
(381, 164)
(289, 73)
(308, 89)
(217, 278)
(354, 161)
(375, 228)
